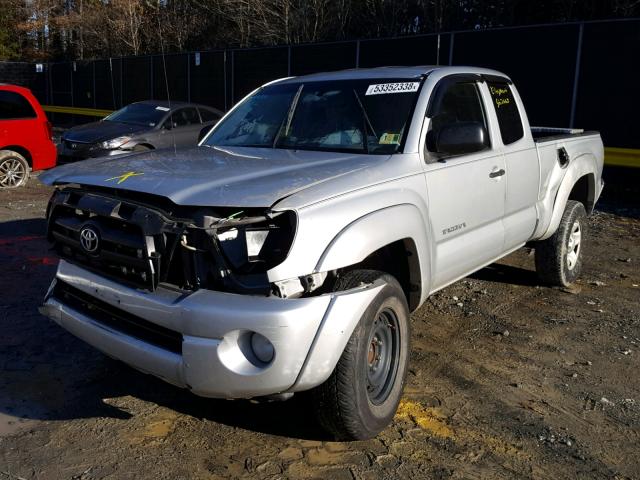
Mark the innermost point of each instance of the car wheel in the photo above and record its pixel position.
(14, 169)
(362, 394)
(559, 257)
(141, 148)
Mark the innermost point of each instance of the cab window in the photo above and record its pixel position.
(507, 112)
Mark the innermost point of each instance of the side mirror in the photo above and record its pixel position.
(203, 132)
(458, 138)
(167, 125)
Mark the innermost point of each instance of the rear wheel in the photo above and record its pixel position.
(559, 257)
(14, 169)
(362, 394)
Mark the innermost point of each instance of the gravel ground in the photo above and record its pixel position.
(508, 379)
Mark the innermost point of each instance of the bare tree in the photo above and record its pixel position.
(70, 29)
(127, 19)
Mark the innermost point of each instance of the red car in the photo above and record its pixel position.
(25, 136)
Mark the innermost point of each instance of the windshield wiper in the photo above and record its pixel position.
(365, 138)
(290, 113)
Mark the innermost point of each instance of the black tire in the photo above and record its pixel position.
(559, 257)
(362, 394)
(14, 169)
(141, 148)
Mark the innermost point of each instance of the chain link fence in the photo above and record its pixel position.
(581, 75)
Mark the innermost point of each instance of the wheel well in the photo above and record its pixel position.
(399, 259)
(22, 151)
(146, 145)
(584, 191)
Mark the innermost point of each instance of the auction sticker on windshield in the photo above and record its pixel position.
(402, 87)
(390, 139)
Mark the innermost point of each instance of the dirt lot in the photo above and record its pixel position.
(508, 379)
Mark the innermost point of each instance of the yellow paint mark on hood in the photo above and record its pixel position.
(124, 176)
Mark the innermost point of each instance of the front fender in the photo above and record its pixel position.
(375, 230)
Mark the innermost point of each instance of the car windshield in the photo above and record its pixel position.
(144, 114)
(360, 116)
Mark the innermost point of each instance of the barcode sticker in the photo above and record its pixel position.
(402, 87)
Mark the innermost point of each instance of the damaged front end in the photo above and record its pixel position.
(145, 240)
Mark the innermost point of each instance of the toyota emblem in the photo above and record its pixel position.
(89, 239)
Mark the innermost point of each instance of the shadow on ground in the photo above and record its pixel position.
(501, 273)
(51, 375)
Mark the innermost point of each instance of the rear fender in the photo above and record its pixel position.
(579, 167)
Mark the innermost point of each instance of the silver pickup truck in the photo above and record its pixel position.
(286, 251)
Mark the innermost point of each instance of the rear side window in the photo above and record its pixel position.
(14, 106)
(208, 115)
(185, 116)
(507, 112)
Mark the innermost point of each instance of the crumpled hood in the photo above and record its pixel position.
(214, 176)
(100, 131)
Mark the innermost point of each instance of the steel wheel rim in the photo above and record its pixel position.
(573, 245)
(12, 172)
(382, 357)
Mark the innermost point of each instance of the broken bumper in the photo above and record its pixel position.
(213, 357)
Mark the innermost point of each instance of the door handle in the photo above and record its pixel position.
(497, 173)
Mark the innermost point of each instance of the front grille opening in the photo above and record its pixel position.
(144, 247)
(124, 249)
(117, 319)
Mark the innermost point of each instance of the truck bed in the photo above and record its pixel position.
(543, 134)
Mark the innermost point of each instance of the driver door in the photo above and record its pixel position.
(466, 190)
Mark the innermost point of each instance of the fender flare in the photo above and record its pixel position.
(578, 168)
(377, 229)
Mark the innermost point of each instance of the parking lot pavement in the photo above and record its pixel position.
(508, 379)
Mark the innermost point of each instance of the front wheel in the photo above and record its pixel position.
(14, 169)
(559, 257)
(362, 394)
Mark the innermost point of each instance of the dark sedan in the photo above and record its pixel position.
(139, 126)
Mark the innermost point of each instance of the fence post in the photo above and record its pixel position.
(233, 78)
(224, 74)
(113, 87)
(93, 78)
(73, 65)
(151, 84)
(576, 77)
(289, 60)
(357, 53)
(188, 77)
(453, 37)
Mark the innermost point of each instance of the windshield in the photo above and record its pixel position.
(142, 114)
(360, 116)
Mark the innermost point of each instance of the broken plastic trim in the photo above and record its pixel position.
(296, 287)
(185, 251)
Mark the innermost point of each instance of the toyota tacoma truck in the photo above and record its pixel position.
(286, 251)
